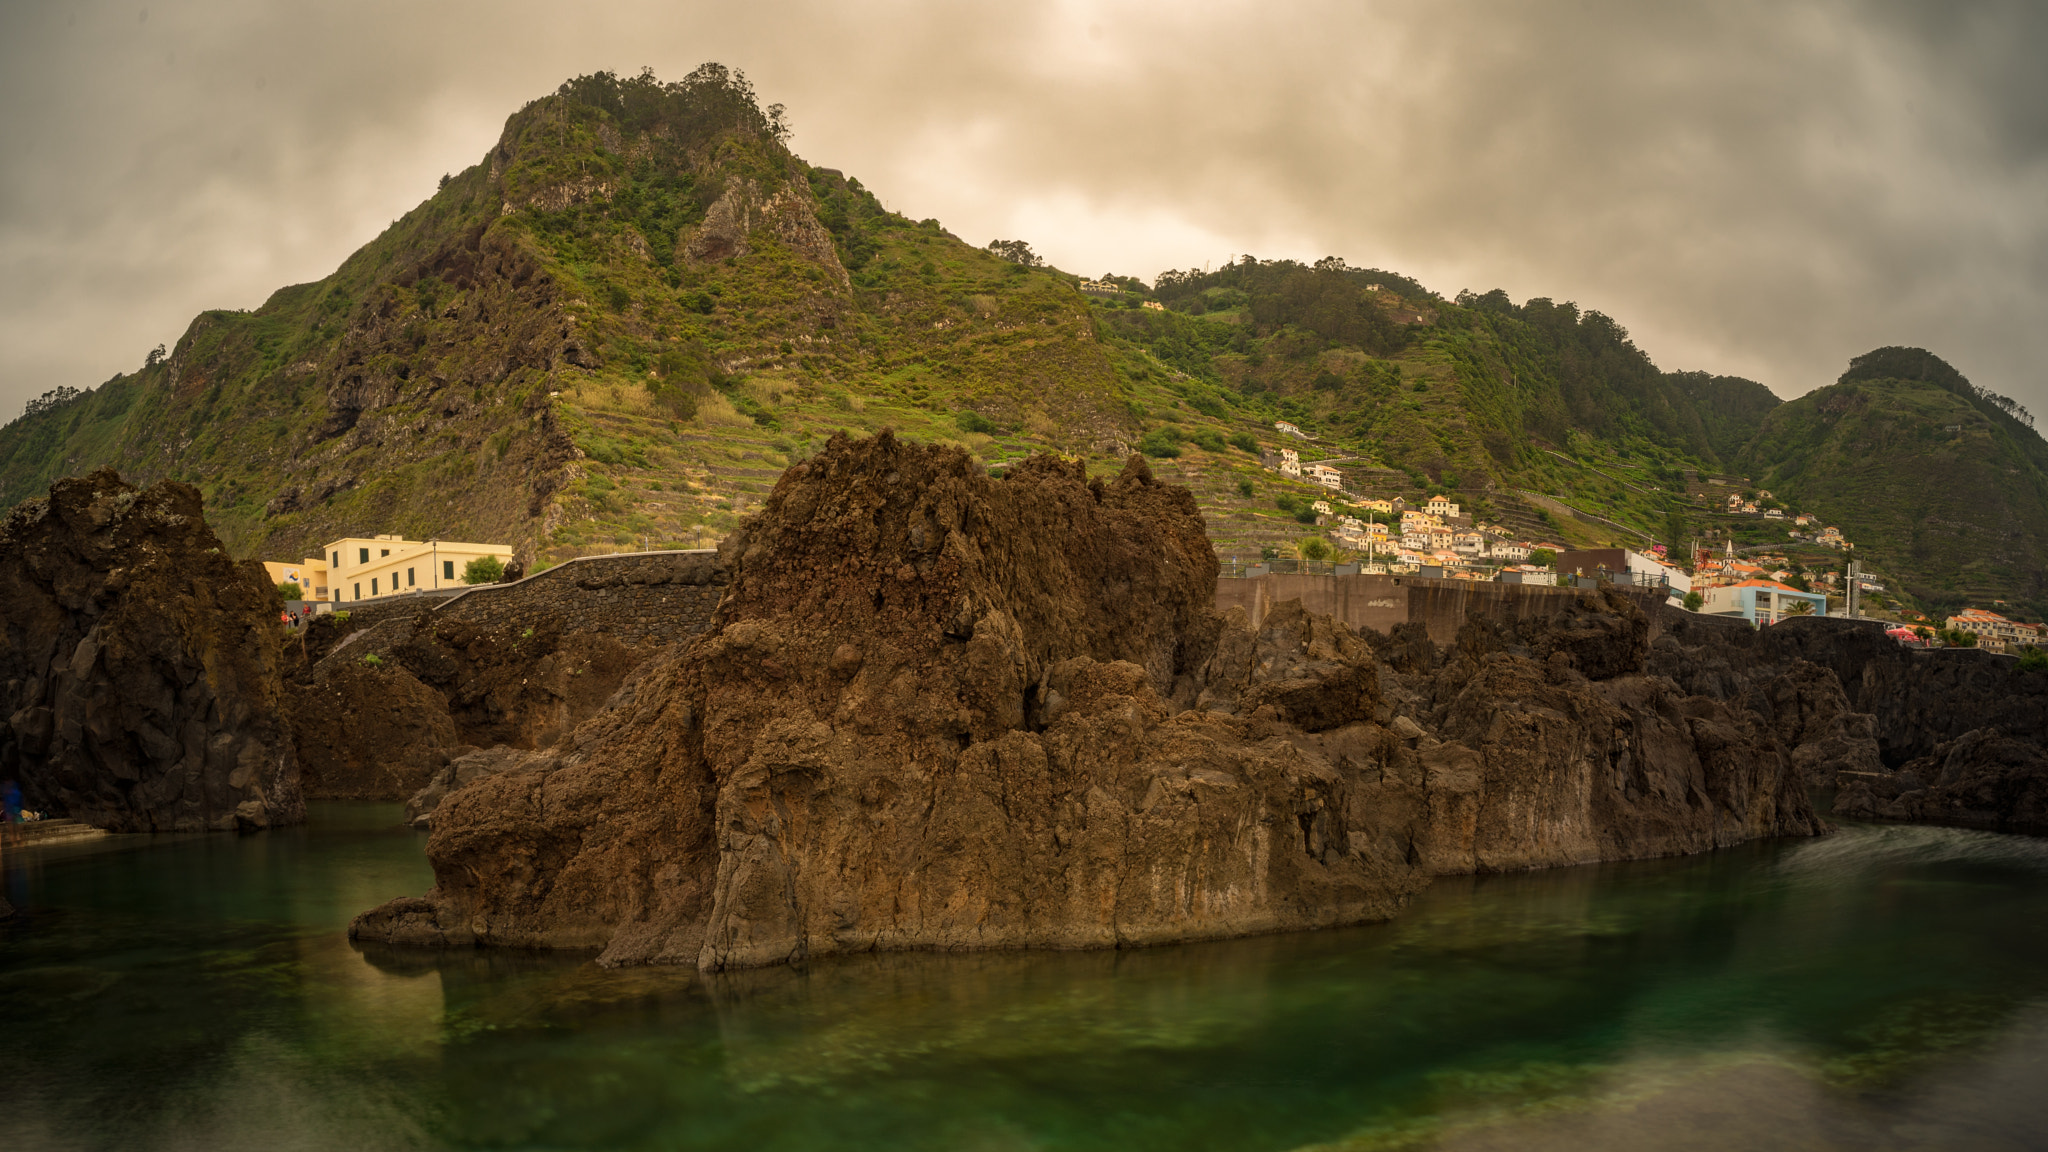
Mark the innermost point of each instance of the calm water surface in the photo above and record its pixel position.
(1881, 988)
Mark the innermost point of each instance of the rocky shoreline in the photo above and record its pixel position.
(940, 710)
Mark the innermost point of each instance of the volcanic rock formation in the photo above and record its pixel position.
(1952, 736)
(379, 710)
(944, 710)
(139, 667)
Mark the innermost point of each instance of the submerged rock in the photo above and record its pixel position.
(139, 667)
(939, 710)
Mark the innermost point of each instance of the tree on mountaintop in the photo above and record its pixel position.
(1016, 252)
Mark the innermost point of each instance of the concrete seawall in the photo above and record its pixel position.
(1382, 602)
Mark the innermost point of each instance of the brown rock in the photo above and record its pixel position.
(940, 710)
(1985, 778)
(139, 670)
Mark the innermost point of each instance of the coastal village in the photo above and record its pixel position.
(1436, 536)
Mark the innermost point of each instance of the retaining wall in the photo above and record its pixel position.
(640, 597)
(1382, 602)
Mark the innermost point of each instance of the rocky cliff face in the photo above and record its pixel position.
(941, 710)
(139, 668)
(1951, 736)
(378, 711)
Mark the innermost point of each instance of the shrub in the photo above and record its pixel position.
(2034, 660)
(1286, 502)
(1207, 439)
(1207, 405)
(1543, 557)
(290, 590)
(620, 298)
(1162, 442)
(373, 660)
(1314, 548)
(1244, 489)
(1694, 601)
(971, 421)
(1244, 440)
(483, 570)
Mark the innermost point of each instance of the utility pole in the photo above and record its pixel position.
(1850, 592)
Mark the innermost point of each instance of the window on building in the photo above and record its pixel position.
(409, 581)
(362, 555)
(373, 585)
(382, 552)
(359, 590)
(447, 569)
(337, 561)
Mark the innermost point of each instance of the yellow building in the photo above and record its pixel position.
(373, 567)
(309, 574)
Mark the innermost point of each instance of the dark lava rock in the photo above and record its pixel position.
(1985, 778)
(939, 710)
(1951, 736)
(139, 669)
(379, 710)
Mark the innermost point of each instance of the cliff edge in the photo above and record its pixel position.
(945, 710)
(139, 665)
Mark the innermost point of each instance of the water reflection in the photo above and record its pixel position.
(1881, 988)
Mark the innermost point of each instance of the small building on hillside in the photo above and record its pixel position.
(1622, 566)
(1290, 462)
(1384, 507)
(1441, 506)
(1322, 506)
(1325, 475)
(1993, 631)
(372, 567)
(1286, 429)
(309, 574)
(1762, 602)
(1514, 552)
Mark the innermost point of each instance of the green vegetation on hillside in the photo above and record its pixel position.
(1942, 482)
(620, 326)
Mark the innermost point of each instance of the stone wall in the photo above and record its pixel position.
(639, 597)
(1382, 602)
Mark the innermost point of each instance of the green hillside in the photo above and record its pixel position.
(618, 327)
(639, 307)
(1945, 482)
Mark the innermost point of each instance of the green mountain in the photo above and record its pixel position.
(619, 326)
(1947, 484)
(624, 322)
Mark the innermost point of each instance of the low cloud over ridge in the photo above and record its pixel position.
(1764, 190)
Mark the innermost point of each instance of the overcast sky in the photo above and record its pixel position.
(1756, 189)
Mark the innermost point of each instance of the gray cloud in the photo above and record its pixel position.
(1757, 189)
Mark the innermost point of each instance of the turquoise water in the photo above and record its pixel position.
(1881, 988)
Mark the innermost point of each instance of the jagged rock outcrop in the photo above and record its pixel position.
(465, 766)
(1948, 736)
(942, 710)
(139, 668)
(1985, 778)
(378, 711)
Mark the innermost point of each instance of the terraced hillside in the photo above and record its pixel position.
(1947, 481)
(620, 326)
